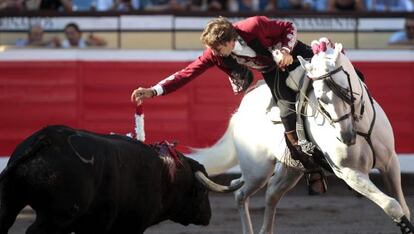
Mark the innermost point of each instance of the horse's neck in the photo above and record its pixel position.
(363, 99)
(348, 67)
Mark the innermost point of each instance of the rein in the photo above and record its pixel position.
(329, 74)
(367, 136)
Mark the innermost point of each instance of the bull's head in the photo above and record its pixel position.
(197, 208)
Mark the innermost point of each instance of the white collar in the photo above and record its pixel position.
(241, 48)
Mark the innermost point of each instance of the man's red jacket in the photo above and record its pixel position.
(258, 32)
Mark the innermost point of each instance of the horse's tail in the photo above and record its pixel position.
(221, 156)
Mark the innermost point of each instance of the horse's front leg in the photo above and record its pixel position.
(361, 183)
(284, 179)
(391, 176)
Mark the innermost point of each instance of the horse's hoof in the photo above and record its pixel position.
(406, 226)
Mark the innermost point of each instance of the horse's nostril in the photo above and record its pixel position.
(347, 137)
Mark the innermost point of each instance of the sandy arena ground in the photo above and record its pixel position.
(339, 211)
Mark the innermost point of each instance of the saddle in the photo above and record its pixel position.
(297, 82)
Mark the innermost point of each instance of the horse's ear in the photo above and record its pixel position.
(338, 47)
(302, 61)
(338, 50)
(305, 64)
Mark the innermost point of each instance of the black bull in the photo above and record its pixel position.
(83, 182)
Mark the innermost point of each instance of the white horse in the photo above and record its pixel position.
(348, 126)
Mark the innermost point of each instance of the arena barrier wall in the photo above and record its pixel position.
(91, 89)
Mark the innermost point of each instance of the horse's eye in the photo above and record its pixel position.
(324, 98)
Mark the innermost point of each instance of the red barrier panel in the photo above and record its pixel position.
(392, 86)
(96, 96)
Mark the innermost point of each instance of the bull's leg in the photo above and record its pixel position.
(284, 179)
(360, 182)
(8, 214)
(10, 205)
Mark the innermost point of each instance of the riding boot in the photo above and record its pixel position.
(314, 174)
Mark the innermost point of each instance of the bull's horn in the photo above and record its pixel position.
(212, 186)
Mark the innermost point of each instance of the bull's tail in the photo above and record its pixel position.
(221, 156)
(24, 151)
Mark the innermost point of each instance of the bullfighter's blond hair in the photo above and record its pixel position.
(217, 32)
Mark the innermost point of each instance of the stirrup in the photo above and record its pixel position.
(307, 147)
(310, 182)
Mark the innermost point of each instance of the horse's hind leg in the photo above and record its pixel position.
(242, 197)
(360, 182)
(284, 179)
(255, 176)
(391, 176)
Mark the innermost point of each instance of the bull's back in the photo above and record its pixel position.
(67, 173)
(75, 157)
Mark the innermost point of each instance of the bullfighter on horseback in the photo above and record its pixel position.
(268, 46)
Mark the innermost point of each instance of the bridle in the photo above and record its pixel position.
(348, 96)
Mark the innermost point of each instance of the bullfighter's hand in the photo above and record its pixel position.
(286, 60)
(139, 94)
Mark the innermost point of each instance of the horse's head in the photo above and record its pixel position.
(330, 72)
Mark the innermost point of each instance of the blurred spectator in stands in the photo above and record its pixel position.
(117, 5)
(295, 4)
(244, 5)
(405, 36)
(390, 5)
(269, 5)
(197, 5)
(11, 5)
(35, 38)
(192, 5)
(161, 5)
(320, 5)
(32, 5)
(345, 5)
(74, 38)
(122, 5)
(215, 5)
(57, 5)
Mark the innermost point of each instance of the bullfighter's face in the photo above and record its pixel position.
(225, 49)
